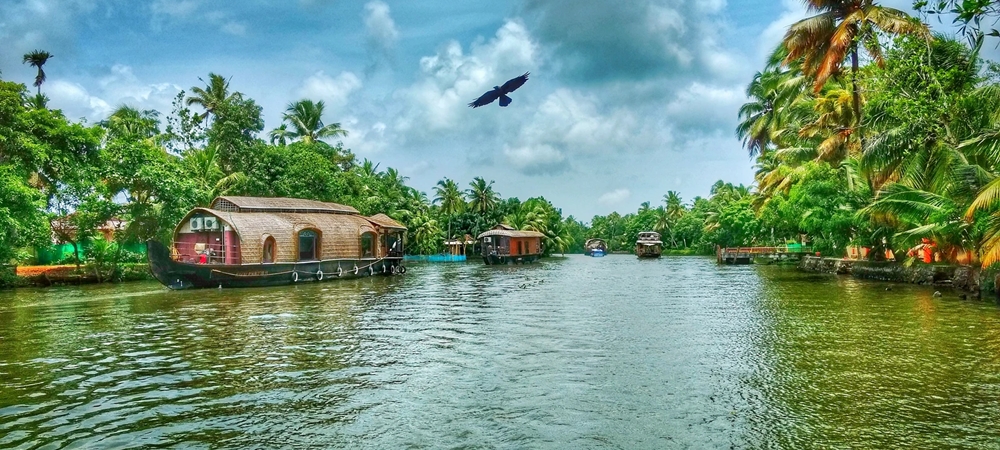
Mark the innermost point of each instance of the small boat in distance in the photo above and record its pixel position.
(595, 247)
(649, 245)
(506, 245)
(259, 241)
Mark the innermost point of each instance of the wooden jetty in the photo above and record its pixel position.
(746, 255)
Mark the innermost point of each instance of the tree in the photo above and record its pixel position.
(824, 41)
(37, 59)
(214, 94)
(482, 198)
(968, 14)
(280, 135)
(450, 199)
(767, 117)
(306, 119)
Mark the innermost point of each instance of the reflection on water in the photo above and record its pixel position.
(571, 353)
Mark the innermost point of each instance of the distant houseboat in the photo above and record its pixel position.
(595, 247)
(505, 245)
(255, 241)
(648, 245)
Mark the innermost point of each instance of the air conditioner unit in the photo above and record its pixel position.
(196, 224)
(487, 239)
(211, 223)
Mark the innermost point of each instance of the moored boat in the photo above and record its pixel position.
(648, 245)
(595, 247)
(506, 245)
(257, 241)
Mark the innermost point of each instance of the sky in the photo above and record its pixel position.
(626, 99)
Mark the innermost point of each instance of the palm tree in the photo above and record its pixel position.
(674, 204)
(767, 116)
(306, 119)
(215, 93)
(824, 41)
(447, 194)
(38, 101)
(663, 222)
(426, 233)
(482, 198)
(127, 121)
(279, 136)
(369, 169)
(37, 59)
(833, 125)
(203, 164)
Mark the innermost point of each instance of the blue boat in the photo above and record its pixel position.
(595, 247)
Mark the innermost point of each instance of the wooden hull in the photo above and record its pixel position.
(496, 260)
(178, 275)
(643, 251)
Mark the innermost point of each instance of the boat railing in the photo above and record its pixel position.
(191, 252)
(499, 251)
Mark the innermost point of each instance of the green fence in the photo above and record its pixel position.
(59, 252)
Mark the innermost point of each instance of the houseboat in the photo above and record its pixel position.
(648, 245)
(595, 247)
(257, 241)
(505, 245)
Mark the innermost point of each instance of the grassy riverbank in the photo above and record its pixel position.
(24, 276)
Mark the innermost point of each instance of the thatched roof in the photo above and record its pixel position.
(385, 221)
(511, 233)
(278, 204)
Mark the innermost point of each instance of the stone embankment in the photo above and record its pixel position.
(966, 279)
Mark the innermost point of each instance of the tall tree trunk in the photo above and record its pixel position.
(76, 252)
(856, 94)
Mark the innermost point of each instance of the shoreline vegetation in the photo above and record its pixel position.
(866, 129)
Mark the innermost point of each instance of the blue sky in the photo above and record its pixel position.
(626, 100)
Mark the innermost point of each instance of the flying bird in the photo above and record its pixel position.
(500, 92)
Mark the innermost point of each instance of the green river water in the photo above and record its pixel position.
(573, 352)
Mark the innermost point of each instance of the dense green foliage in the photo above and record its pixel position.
(63, 180)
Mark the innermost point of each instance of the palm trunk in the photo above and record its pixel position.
(856, 94)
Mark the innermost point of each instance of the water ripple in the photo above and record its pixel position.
(574, 352)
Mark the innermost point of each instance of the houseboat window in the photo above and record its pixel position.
(520, 247)
(308, 241)
(268, 250)
(368, 245)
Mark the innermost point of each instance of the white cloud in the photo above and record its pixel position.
(365, 140)
(380, 35)
(379, 26)
(701, 107)
(174, 8)
(94, 99)
(75, 101)
(615, 197)
(536, 160)
(234, 28)
(334, 91)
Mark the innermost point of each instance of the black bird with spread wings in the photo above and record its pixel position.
(500, 92)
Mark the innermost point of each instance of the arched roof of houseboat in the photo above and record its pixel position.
(511, 233)
(278, 204)
(385, 221)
